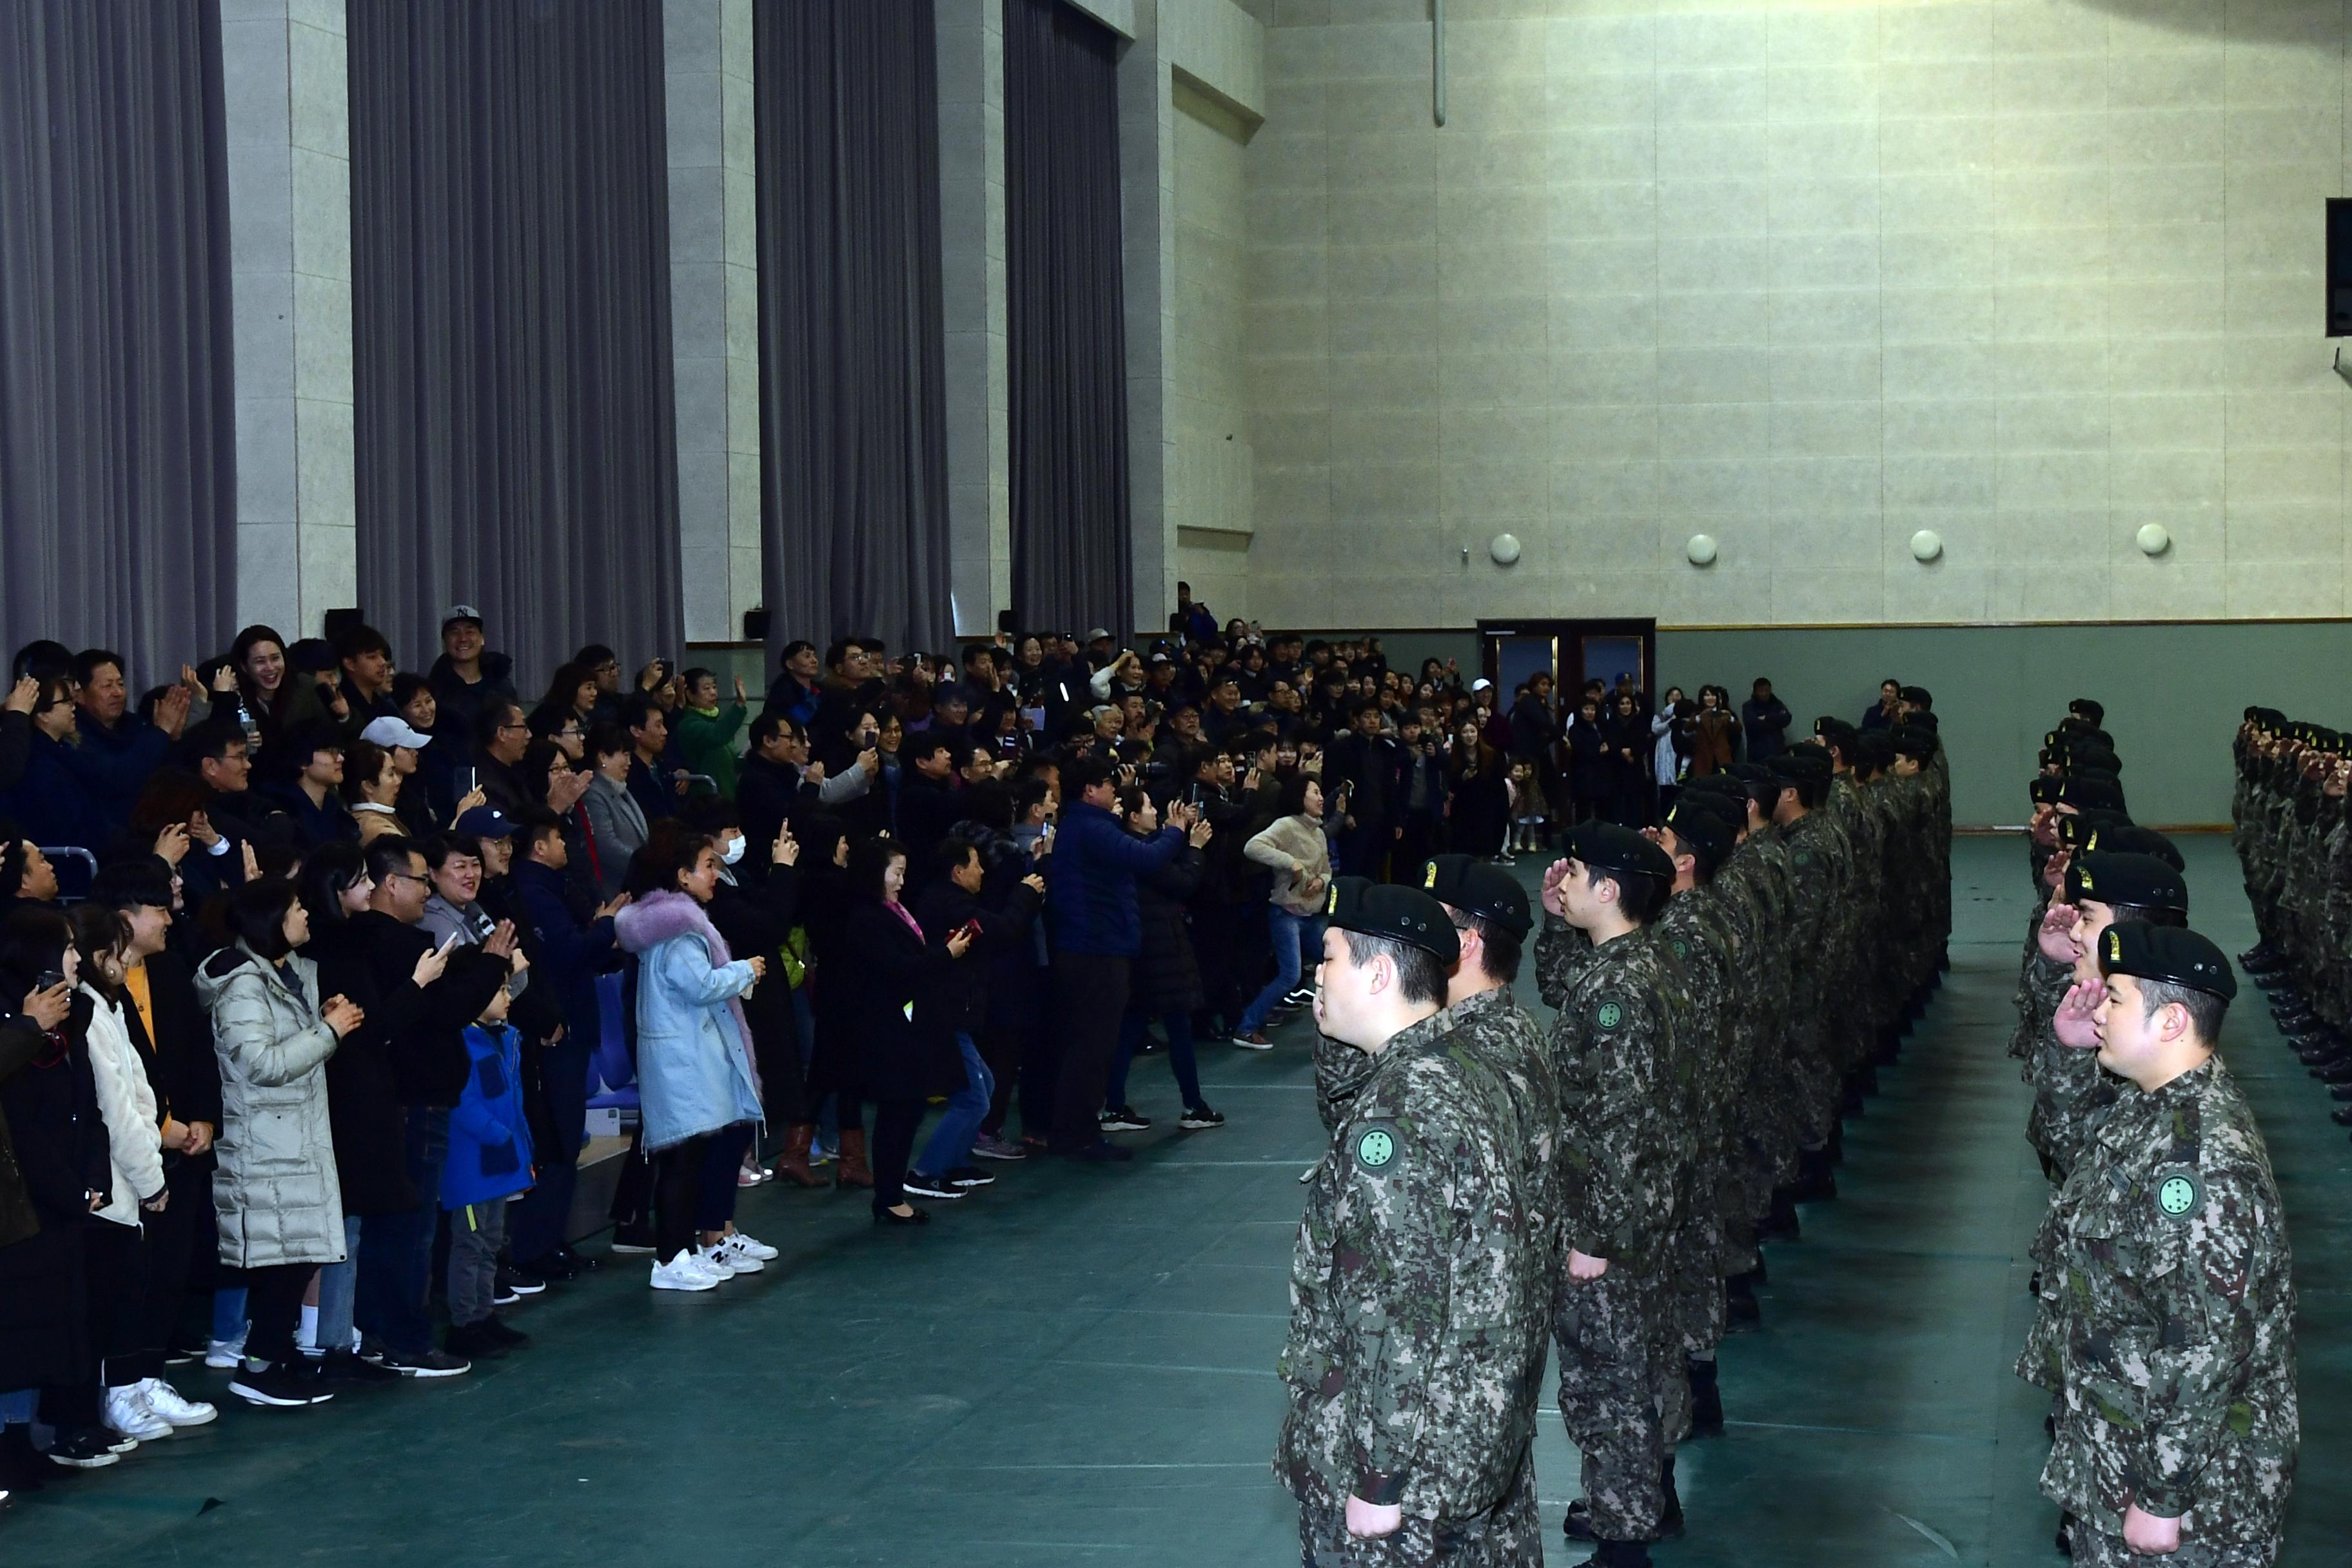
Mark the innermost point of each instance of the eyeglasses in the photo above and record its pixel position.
(523, 725)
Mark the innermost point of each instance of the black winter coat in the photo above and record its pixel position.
(1166, 976)
(430, 1062)
(960, 991)
(363, 1102)
(756, 921)
(899, 1056)
(51, 1108)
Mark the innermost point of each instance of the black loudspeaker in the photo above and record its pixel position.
(338, 622)
(1009, 622)
(755, 626)
(2339, 268)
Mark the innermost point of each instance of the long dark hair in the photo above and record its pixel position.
(327, 875)
(869, 859)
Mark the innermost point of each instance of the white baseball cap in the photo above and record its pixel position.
(1482, 684)
(393, 731)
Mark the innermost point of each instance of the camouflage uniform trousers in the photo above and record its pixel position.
(1623, 1389)
(1506, 1536)
(2098, 1549)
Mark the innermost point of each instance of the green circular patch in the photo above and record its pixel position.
(1610, 1015)
(2178, 1194)
(1376, 1148)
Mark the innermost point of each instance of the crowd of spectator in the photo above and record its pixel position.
(308, 965)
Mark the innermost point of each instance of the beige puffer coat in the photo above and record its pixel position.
(276, 1191)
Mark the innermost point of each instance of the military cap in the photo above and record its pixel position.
(2168, 953)
(1701, 832)
(2114, 878)
(2122, 838)
(1925, 719)
(1799, 763)
(1401, 914)
(2076, 831)
(1919, 697)
(1751, 772)
(2094, 791)
(1914, 741)
(1477, 887)
(2085, 756)
(1725, 804)
(2043, 788)
(1606, 846)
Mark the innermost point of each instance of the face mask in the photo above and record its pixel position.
(734, 851)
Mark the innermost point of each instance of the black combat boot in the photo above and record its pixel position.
(1814, 1183)
(1742, 1313)
(1707, 1414)
(1619, 1555)
(1781, 1224)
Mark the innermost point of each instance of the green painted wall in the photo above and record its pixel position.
(2174, 694)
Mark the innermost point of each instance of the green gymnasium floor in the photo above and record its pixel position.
(1077, 1366)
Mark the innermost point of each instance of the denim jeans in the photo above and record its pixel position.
(1179, 1024)
(1293, 934)
(951, 1144)
(338, 1285)
(396, 1268)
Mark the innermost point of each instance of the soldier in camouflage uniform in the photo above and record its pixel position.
(1819, 861)
(2295, 840)
(1491, 921)
(1419, 1295)
(1710, 936)
(1625, 1076)
(2178, 1426)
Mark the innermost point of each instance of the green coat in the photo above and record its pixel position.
(707, 736)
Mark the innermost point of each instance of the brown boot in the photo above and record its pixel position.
(792, 1161)
(851, 1170)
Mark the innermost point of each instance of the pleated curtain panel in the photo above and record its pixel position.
(1065, 310)
(118, 443)
(853, 427)
(517, 447)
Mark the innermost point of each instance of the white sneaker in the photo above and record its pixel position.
(127, 1413)
(166, 1401)
(227, 1355)
(755, 1245)
(716, 1262)
(737, 1256)
(684, 1272)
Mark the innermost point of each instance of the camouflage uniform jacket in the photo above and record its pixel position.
(1499, 1033)
(1563, 955)
(1419, 1300)
(1626, 1084)
(2178, 1313)
(1340, 1074)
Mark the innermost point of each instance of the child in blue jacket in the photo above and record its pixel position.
(490, 1161)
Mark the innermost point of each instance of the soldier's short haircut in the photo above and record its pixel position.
(2206, 1010)
(2150, 913)
(1419, 973)
(1639, 897)
(1500, 948)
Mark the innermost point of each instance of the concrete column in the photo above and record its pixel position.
(971, 278)
(1147, 154)
(714, 308)
(288, 109)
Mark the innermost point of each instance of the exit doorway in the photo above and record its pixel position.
(1570, 652)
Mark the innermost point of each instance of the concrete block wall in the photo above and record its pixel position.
(286, 106)
(1807, 277)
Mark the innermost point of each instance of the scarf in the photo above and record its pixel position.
(657, 918)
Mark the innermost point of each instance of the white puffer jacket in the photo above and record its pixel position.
(126, 1102)
(276, 1191)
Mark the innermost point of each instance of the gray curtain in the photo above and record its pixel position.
(1067, 316)
(118, 440)
(852, 421)
(518, 448)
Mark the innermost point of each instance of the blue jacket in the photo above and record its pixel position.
(1090, 882)
(694, 1066)
(570, 955)
(53, 804)
(489, 1139)
(117, 762)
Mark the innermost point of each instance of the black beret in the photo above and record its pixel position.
(2076, 832)
(2043, 788)
(1401, 914)
(1702, 833)
(1800, 763)
(2092, 792)
(1751, 772)
(1479, 888)
(2114, 878)
(2089, 758)
(1914, 741)
(2122, 838)
(1925, 719)
(1606, 846)
(2168, 953)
